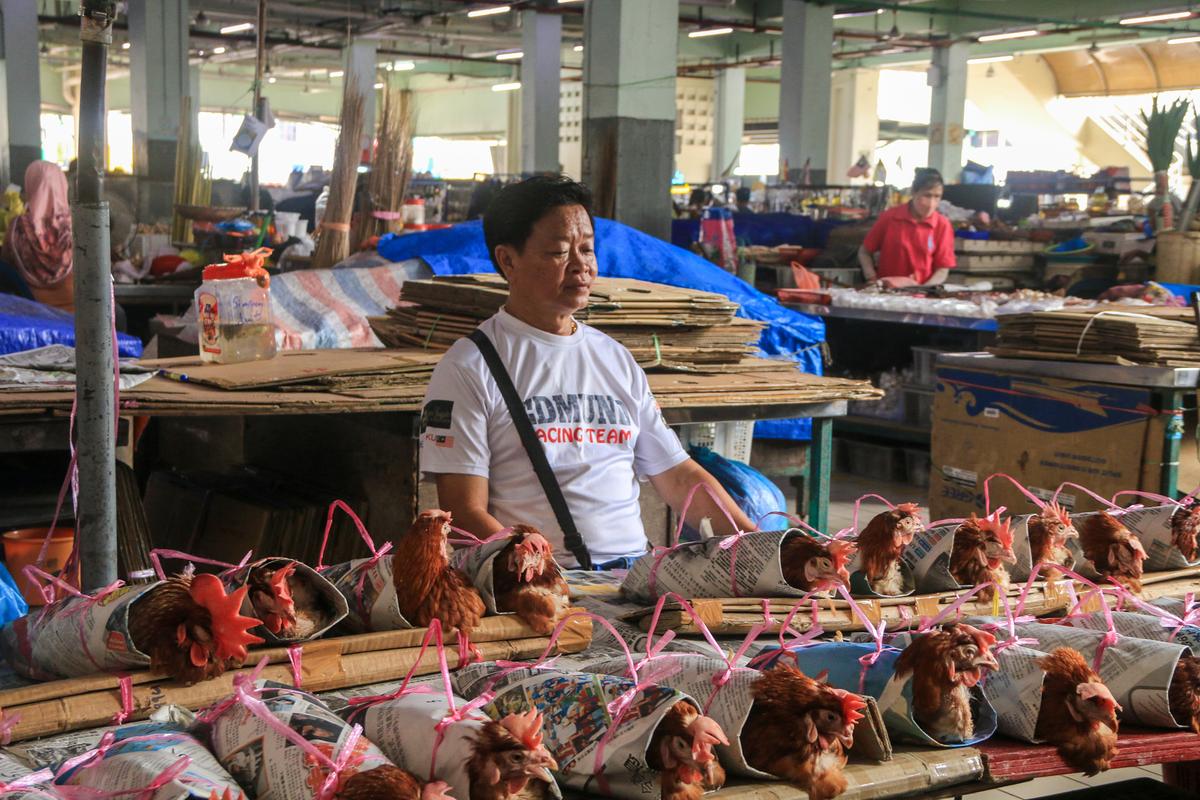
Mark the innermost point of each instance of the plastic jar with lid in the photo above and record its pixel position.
(233, 305)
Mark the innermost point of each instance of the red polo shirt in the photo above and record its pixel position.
(909, 247)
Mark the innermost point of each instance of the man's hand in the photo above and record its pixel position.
(674, 485)
(896, 283)
(867, 262)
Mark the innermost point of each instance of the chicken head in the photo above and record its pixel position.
(1094, 703)
(535, 761)
(530, 555)
(1185, 524)
(970, 654)
(827, 570)
(436, 790)
(998, 536)
(908, 524)
(228, 635)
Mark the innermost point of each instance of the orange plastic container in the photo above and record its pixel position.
(21, 547)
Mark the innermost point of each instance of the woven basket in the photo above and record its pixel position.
(1178, 257)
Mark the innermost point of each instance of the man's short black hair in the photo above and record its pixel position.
(516, 208)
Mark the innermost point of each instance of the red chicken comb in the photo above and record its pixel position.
(526, 728)
(840, 551)
(279, 585)
(1002, 529)
(225, 795)
(1054, 510)
(982, 638)
(909, 508)
(705, 732)
(852, 706)
(436, 790)
(1092, 690)
(230, 630)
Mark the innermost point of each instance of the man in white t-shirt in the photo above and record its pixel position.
(587, 399)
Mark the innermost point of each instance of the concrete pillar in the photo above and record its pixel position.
(731, 118)
(541, 64)
(948, 77)
(21, 128)
(854, 120)
(159, 77)
(629, 109)
(805, 79)
(360, 73)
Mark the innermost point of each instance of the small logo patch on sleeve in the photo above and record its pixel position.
(437, 414)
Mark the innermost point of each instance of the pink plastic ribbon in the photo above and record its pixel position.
(29, 783)
(364, 613)
(867, 661)
(1173, 623)
(127, 707)
(246, 694)
(36, 576)
(7, 723)
(295, 655)
(858, 504)
(661, 552)
(928, 622)
(987, 500)
(158, 554)
(1110, 504)
(472, 541)
(1158, 498)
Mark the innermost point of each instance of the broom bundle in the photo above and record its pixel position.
(390, 171)
(334, 242)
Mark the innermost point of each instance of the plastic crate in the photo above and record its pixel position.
(918, 406)
(916, 467)
(731, 440)
(872, 461)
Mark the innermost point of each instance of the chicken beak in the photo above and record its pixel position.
(543, 761)
(846, 737)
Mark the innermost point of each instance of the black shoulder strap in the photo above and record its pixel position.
(537, 455)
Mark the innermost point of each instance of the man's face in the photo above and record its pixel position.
(555, 269)
(925, 202)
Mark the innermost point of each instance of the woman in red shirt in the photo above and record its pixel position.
(912, 244)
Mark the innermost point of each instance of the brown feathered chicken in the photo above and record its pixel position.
(1114, 550)
(814, 565)
(509, 762)
(286, 601)
(528, 582)
(681, 750)
(945, 665)
(800, 730)
(190, 628)
(882, 543)
(389, 782)
(1078, 714)
(1184, 694)
(1048, 534)
(981, 548)
(427, 587)
(1185, 523)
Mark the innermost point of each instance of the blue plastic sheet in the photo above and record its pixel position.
(623, 252)
(765, 230)
(12, 603)
(754, 492)
(26, 324)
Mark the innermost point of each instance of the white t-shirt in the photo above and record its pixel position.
(591, 407)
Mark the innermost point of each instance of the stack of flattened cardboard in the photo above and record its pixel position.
(1152, 336)
(663, 326)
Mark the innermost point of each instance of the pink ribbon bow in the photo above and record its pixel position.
(364, 613)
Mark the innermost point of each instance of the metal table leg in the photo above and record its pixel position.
(820, 465)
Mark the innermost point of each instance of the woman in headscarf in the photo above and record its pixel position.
(39, 242)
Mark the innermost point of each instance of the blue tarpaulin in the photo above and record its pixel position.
(26, 324)
(627, 253)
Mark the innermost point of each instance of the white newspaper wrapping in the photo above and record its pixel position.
(1139, 626)
(575, 718)
(404, 729)
(1184, 610)
(1138, 672)
(74, 637)
(374, 608)
(266, 764)
(929, 557)
(478, 563)
(12, 767)
(127, 767)
(335, 602)
(702, 569)
(1016, 691)
(730, 708)
(1152, 526)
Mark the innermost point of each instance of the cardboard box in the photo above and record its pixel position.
(1041, 431)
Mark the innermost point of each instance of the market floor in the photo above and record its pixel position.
(845, 490)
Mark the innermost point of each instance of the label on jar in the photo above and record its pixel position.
(206, 306)
(241, 310)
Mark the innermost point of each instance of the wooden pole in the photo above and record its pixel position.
(260, 58)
